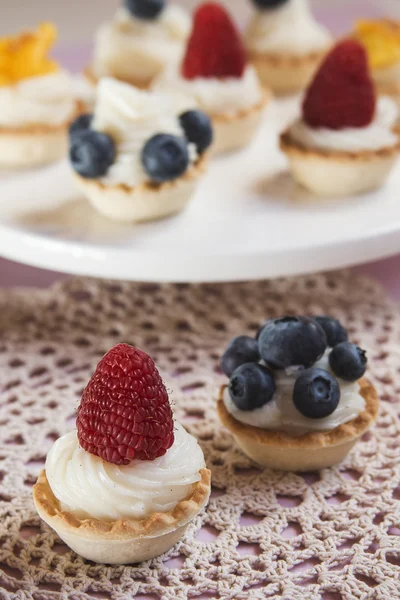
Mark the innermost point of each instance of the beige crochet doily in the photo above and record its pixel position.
(332, 535)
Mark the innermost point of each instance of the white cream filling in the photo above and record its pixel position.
(87, 486)
(280, 414)
(132, 117)
(44, 100)
(211, 94)
(138, 48)
(287, 29)
(379, 134)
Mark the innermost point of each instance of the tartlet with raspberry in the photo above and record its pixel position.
(297, 398)
(142, 39)
(286, 44)
(125, 485)
(37, 100)
(216, 75)
(139, 157)
(346, 141)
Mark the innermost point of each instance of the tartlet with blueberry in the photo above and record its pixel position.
(138, 157)
(346, 141)
(216, 76)
(286, 44)
(297, 398)
(139, 42)
(124, 486)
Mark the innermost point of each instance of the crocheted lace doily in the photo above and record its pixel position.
(332, 535)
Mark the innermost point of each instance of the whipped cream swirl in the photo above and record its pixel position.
(138, 49)
(132, 117)
(280, 414)
(379, 134)
(87, 486)
(212, 94)
(287, 29)
(43, 100)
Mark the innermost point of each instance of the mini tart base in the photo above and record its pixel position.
(285, 73)
(338, 173)
(236, 129)
(143, 84)
(310, 452)
(145, 202)
(35, 145)
(123, 541)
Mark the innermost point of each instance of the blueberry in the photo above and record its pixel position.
(242, 349)
(165, 157)
(316, 393)
(198, 129)
(91, 153)
(291, 341)
(334, 330)
(81, 124)
(348, 361)
(251, 386)
(145, 9)
(265, 4)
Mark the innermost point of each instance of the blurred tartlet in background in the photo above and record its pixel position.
(286, 44)
(139, 42)
(37, 100)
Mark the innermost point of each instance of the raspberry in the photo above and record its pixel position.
(342, 93)
(215, 48)
(124, 413)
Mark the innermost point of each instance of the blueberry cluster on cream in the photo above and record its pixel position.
(300, 374)
(136, 137)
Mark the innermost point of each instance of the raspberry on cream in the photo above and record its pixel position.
(124, 486)
(216, 77)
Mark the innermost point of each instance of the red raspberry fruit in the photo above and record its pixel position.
(342, 93)
(124, 413)
(215, 48)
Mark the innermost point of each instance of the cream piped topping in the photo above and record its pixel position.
(280, 414)
(43, 100)
(287, 29)
(212, 94)
(132, 117)
(379, 134)
(137, 49)
(87, 486)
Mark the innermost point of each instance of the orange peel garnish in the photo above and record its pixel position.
(26, 55)
(381, 40)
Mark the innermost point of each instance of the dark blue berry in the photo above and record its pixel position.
(291, 341)
(251, 386)
(348, 361)
(81, 124)
(242, 349)
(266, 4)
(91, 153)
(198, 129)
(145, 9)
(165, 157)
(334, 330)
(316, 393)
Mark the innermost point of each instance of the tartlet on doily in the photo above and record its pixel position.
(139, 159)
(334, 148)
(124, 487)
(309, 452)
(297, 398)
(37, 101)
(123, 541)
